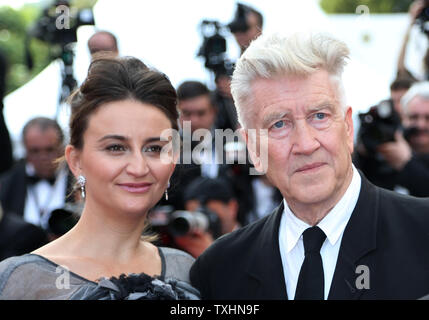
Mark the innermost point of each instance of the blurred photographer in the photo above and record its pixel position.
(399, 87)
(397, 157)
(37, 185)
(226, 117)
(246, 26)
(214, 195)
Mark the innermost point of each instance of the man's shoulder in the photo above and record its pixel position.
(395, 204)
(404, 201)
(396, 211)
(232, 244)
(220, 271)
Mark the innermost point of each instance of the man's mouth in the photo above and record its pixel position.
(310, 167)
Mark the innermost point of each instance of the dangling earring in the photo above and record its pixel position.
(81, 180)
(166, 191)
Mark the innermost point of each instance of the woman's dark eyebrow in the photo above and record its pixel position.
(123, 138)
(112, 136)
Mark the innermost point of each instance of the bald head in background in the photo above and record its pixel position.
(103, 41)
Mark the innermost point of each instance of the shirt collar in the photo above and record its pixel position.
(333, 224)
(29, 169)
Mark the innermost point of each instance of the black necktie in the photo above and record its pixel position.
(311, 277)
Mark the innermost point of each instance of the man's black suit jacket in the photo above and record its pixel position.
(13, 189)
(18, 237)
(387, 232)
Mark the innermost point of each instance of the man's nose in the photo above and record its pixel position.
(194, 118)
(303, 138)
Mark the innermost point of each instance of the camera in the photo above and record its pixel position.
(239, 24)
(183, 222)
(379, 125)
(61, 35)
(169, 223)
(423, 18)
(214, 47)
(48, 29)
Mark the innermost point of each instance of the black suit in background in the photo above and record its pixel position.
(414, 176)
(6, 158)
(13, 189)
(387, 232)
(18, 237)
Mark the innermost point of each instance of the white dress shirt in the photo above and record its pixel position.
(49, 198)
(333, 225)
(207, 156)
(263, 197)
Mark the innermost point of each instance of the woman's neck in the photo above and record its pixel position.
(106, 236)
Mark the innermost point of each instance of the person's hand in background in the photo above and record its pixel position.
(396, 153)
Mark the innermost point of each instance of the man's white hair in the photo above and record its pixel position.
(420, 89)
(275, 55)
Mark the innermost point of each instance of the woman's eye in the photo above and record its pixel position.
(155, 149)
(116, 148)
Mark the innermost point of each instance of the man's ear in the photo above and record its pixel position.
(251, 139)
(72, 156)
(349, 128)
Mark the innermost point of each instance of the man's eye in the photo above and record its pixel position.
(279, 124)
(320, 116)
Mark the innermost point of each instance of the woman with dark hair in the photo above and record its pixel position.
(123, 163)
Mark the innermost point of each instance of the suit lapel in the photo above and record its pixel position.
(266, 267)
(358, 240)
(20, 190)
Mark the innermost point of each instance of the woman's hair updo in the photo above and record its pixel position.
(115, 79)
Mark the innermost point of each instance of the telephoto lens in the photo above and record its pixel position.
(182, 222)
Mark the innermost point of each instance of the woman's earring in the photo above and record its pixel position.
(166, 191)
(81, 180)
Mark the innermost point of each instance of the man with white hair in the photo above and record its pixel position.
(335, 235)
(410, 159)
(416, 114)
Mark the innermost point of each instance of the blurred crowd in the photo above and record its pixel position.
(206, 198)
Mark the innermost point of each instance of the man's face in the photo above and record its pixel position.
(199, 111)
(244, 38)
(417, 116)
(310, 139)
(43, 147)
(396, 96)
